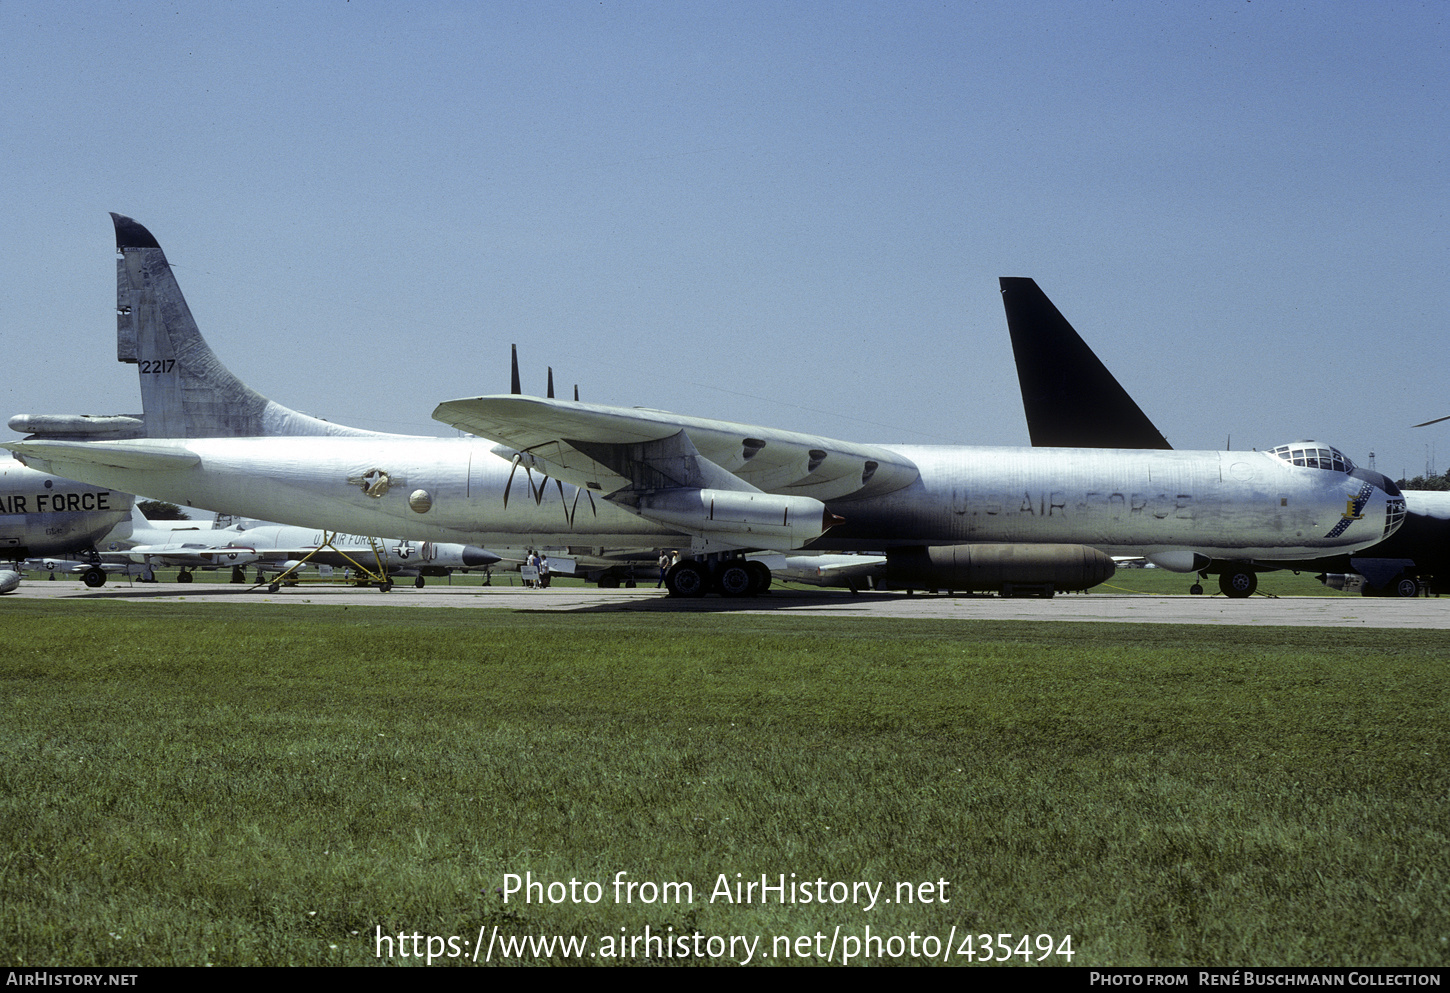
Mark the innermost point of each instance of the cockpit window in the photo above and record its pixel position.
(1312, 455)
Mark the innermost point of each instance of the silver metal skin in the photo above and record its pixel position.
(277, 545)
(41, 514)
(572, 474)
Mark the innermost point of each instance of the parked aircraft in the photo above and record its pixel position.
(278, 548)
(44, 515)
(1068, 393)
(636, 478)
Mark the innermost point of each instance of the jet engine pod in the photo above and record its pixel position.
(737, 518)
(1005, 569)
(9, 580)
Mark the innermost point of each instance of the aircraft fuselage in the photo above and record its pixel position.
(42, 514)
(1239, 505)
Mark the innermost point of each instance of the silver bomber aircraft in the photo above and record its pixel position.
(560, 472)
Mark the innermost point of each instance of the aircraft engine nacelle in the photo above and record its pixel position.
(9, 580)
(1000, 568)
(738, 519)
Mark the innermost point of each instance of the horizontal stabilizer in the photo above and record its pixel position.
(54, 456)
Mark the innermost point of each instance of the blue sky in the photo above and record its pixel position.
(790, 214)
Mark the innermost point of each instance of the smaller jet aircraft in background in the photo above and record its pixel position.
(280, 548)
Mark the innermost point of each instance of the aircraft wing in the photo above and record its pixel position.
(607, 449)
(729, 486)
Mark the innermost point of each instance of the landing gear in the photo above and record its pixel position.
(94, 577)
(688, 578)
(1238, 583)
(1406, 586)
(1196, 589)
(183, 576)
(733, 579)
(418, 583)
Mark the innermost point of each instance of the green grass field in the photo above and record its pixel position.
(277, 784)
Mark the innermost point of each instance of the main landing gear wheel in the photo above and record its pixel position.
(1196, 589)
(1238, 583)
(734, 579)
(94, 577)
(689, 578)
(183, 577)
(1406, 587)
(759, 575)
(418, 583)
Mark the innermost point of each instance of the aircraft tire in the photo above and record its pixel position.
(1196, 589)
(689, 578)
(94, 577)
(760, 577)
(274, 587)
(419, 583)
(1405, 586)
(1237, 584)
(386, 586)
(735, 580)
(183, 577)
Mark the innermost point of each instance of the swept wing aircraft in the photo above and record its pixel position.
(276, 548)
(562, 472)
(1067, 392)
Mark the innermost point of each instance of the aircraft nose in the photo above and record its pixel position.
(476, 558)
(1394, 501)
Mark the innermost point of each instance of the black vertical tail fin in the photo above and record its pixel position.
(1071, 399)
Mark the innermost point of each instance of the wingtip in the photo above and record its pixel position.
(129, 234)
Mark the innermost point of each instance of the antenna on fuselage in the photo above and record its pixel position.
(514, 380)
(551, 383)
